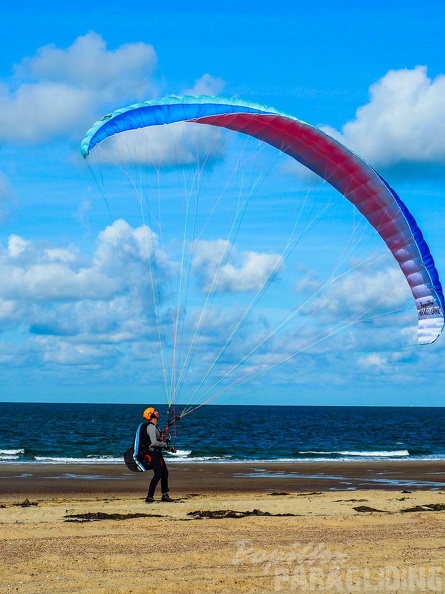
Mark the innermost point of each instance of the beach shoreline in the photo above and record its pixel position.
(244, 528)
(17, 480)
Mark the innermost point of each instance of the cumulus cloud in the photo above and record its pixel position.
(367, 291)
(87, 310)
(11, 312)
(87, 63)
(59, 91)
(74, 309)
(404, 120)
(364, 293)
(135, 245)
(34, 113)
(374, 361)
(386, 363)
(66, 353)
(180, 144)
(206, 85)
(222, 268)
(107, 321)
(35, 273)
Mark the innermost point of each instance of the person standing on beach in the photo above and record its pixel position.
(157, 445)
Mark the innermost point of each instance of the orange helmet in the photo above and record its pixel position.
(148, 413)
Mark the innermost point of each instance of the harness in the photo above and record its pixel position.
(137, 458)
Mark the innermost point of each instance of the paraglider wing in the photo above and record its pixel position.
(340, 167)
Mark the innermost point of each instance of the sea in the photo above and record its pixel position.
(66, 433)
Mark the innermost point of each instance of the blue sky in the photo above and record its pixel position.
(373, 76)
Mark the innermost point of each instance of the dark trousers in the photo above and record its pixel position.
(160, 473)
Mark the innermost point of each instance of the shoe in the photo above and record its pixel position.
(166, 498)
(149, 500)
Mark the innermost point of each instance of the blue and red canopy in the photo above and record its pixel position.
(339, 166)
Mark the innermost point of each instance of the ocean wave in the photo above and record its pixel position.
(361, 454)
(11, 455)
(204, 459)
(88, 460)
(187, 457)
(180, 453)
(14, 452)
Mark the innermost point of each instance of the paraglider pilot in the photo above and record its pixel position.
(157, 445)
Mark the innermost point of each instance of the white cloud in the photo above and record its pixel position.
(127, 255)
(88, 64)
(374, 361)
(86, 321)
(63, 90)
(33, 271)
(221, 268)
(72, 309)
(11, 312)
(206, 85)
(65, 353)
(17, 246)
(61, 309)
(133, 244)
(403, 122)
(36, 112)
(178, 144)
(385, 363)
(105, 298)
(364, 293)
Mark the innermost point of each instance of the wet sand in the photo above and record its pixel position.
(33, 479)
(324, 527)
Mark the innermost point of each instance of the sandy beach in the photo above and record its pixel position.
(325, 527)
